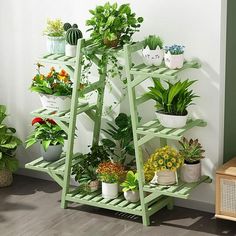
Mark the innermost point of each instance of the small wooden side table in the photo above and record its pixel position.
(226, 191)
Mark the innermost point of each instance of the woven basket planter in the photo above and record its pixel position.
(6, 178)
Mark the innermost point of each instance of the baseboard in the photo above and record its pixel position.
(196, 205)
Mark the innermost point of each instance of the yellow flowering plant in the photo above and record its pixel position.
(165, 158)
(54, 83)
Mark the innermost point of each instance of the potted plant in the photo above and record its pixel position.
(174, 56)
(153, 50)
(192, 152)
(172, 102)
(55, 89)
(55, 36)
(72, 36)
(109, 173)
(161, 167)
(84, 171)
(113, 25)
(51, 137)
(8, 145)
(120, 142)
(130, 187)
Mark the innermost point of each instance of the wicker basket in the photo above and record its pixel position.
(6, 178)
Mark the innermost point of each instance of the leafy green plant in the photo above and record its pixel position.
(8, 144)
(86, 164)
(120, 144)
(191, 150)
(54, 28)
(47, 132)
(174, 99)
(55, 83)
(131, 182)
(153, 41)
(110, 22)
(110, 172)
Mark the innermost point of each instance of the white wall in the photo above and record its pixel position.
(199, 25)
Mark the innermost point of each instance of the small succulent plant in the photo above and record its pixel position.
(175, 49)
(191, 150)
(153, 41)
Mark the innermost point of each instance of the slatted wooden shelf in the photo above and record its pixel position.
(180, 190)
(161, 71)
(58, 167)
(62, 115)
(117, 204)
(156, 129)
(60, 59)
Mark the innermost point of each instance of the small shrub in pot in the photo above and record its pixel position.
(174, 56)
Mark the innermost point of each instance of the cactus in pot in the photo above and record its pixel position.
(72, 36)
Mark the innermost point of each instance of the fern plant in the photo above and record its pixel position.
(191, 150)
(173, 100)
(153, 41)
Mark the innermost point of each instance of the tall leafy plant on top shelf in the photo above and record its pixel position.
(172, 102)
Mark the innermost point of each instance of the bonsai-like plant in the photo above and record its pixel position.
(120, 144)
(153, 41)
(191, 150)
(110, 172)
(131, 182)
(173, 100)
(165, 158)
(86, 164)
(54, 28)
(8, 144)
(47, 132)
(112, 25)
(175, 49)
(55, 83)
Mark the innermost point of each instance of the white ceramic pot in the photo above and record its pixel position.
(53, 153)
(172, 121)
(174, 61)
(59, 103)
(71, 50)
(56, 45)
(94, 185)
(109, 191)
(190, 172)
(153, 57)
(165, 177)
(132, 196)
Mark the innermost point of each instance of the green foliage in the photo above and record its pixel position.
(153, 41)
(54, 28)
(55, 83)
(66, 26)
(174, 99)
(191, 150)
(113, 23)
(8, 144)
(120, 144)
(47, 133)
(86, 164)
(72, 35)
(131, 182)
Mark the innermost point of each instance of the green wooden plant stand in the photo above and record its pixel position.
(152, 198)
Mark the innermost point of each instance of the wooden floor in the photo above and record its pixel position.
(31, 207)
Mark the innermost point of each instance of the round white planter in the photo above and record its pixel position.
(109, 191)
(174, 61)
(59, 103)
(56, 45)
(172, 121)
(71, 50)
(166, 177)
(153, 57)
(53, 153)
(190, 172)
(132, 196)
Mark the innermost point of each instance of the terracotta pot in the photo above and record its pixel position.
(6, 178)
(190, 173)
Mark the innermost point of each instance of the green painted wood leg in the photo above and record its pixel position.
(170, 204)
(146, 220)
